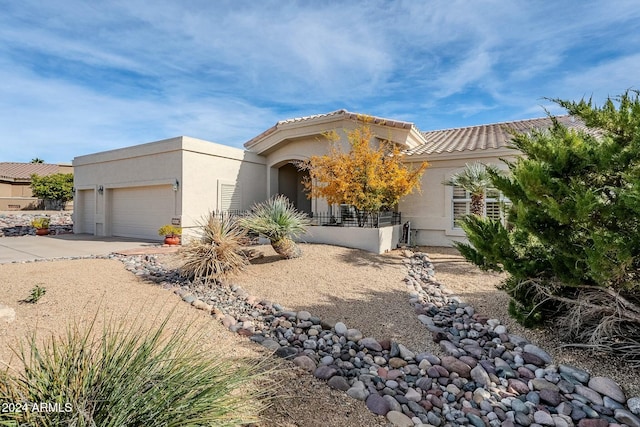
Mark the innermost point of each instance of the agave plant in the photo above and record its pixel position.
(218, 253)
(279, 221)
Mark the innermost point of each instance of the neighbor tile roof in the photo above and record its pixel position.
(23, 171)
(484, 137)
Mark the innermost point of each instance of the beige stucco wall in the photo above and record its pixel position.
(6, 190)
(18, 203)
(22, 189)
(430, 212)
(376, 240)
(196, 166)
(152, 164)
(140, 165)
(207, 165)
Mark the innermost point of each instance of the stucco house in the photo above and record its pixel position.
(15, 183)
(132, 191)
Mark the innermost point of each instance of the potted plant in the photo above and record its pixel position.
(171, 234)
(41, 225)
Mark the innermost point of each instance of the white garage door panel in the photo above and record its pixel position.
(140, 211)
(86, 210)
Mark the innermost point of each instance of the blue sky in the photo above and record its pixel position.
(80, 77)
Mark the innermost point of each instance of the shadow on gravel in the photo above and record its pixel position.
(449, 261)
(266, 259)
(357, 258)
(381, 315)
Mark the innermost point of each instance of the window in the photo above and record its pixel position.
(494, 204)
(229, 195)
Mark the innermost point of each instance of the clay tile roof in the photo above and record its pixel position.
(342, 112)
(484, 137)
(350, 115)
(23, 171)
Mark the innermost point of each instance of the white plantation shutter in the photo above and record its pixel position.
(493, 210)
(460, 209)
(230, 199)
(459, 193)
(461, 204)
(494, 204)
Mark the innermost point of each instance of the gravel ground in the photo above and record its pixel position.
(77, 289)
(478, 288)
(363, 290)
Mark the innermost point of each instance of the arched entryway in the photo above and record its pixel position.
(290, 184)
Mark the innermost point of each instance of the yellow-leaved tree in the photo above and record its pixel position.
(369, 177)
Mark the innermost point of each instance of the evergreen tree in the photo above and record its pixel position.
(56, 188)
(574, 225)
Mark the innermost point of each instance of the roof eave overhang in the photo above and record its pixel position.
(402, 133)
(503, 152)
(13, 180)
(268, 140)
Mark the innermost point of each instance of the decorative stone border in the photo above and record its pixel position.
(487, 378)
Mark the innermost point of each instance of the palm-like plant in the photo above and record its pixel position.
(475, 179)
(279, 221)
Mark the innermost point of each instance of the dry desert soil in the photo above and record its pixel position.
(363, 290)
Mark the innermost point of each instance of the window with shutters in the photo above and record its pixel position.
(229, 196)
(495, 204)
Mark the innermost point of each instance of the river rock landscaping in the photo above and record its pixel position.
(488, 377)
(19, 224)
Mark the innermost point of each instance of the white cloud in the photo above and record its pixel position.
(79, 77)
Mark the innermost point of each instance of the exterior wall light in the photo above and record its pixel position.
(101, 189)
(176, 185)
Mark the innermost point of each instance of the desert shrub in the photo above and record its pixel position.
(57, 188)
(41, 222)
(35, 294)
(572, 246)
(128, 375)
(170, 230)
(217, 253)
(279, 221)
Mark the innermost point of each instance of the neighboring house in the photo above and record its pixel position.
(132, 191)
(15, 183)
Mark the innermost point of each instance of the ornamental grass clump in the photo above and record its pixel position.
(128, 375)
(279, 221)
(218, 253)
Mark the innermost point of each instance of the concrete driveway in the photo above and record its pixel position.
(29, 248)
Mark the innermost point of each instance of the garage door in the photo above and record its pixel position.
(85, 209)
(139, 211)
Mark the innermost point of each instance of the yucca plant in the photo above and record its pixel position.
(129, 375)
(279, 221)
(217, 253)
